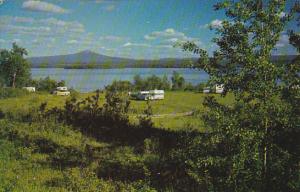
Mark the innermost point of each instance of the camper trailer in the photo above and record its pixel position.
(220, 88)
(151, 95)
(206, 90)
(157, 94)
(61, 91)
(29, 89)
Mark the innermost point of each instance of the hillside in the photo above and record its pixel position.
(89, 59)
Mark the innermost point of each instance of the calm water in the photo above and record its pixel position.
(85, 80)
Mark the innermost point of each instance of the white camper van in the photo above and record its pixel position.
(220, 88)
(151, 95)
(61, 91)
(157, 94)
(29, 89)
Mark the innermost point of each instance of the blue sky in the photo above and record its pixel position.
(126, 28)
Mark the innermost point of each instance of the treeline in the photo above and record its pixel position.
(164, 63)
(15, 73)
(177, 82)
(45, 84)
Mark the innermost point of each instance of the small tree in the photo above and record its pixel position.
(178, 81)
(145, 120)
(14, 68)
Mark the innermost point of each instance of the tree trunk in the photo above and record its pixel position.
(14, 80)
(265, 158)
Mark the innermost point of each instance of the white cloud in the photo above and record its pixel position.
(2, 41)
(165, 46)
(112, 38)
(169, 37)
(42, 27)
(15, 29)
(129, 44)
(215, 24)
(35, 5)
(16, 40)
(148, 37)
(23, 19)
(36, 41)
(167, 33)
(73, 41)
(172, 40)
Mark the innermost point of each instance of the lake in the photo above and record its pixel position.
(85, 80)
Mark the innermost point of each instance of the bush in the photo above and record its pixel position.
(150, 83)
(121, 86)
(46, 84)
(12, 92)
(123, 165)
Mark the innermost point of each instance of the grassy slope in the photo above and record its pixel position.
(32, 154)
(174, 102)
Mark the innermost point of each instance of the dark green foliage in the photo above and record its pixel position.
(178, 82)
(151, 83)
(123, 165)
(255, 142)
(90, 117)
(120, 86)
(46, 84)
(145, 119)
(14, 69)
(10, 92)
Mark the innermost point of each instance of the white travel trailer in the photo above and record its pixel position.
(206, 90)
(61, 91)
(220, 88)
(151, 95)
(157, 94)
(29, 89)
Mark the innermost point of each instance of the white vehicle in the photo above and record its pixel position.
(61, 91)
(62, 88)
(151, 95)
(157, 94)
(206, 90)
(220, 88)
(29, 89)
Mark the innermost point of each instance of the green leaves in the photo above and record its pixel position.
(14, 69)
(252, 134)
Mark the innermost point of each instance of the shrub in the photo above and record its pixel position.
(120, 86)
(12, 92)
(123, 165)
(152, 82)
(46, 84)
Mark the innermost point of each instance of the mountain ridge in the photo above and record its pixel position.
(89, 59)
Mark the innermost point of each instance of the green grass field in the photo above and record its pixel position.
(48, 156)
(169, 113)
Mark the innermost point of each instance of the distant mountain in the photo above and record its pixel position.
(89, 59)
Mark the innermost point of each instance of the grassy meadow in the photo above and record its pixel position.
(41, 154)
(170, 113)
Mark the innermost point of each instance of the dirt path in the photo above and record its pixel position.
(189, 113)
